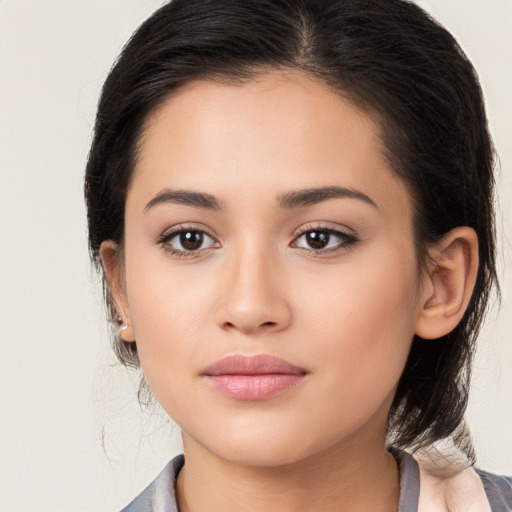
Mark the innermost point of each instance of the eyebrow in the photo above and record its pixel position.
(290, 200)
(186, 197)
(309, 197)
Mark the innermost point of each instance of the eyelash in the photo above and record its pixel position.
(347, 241)
(175, 232)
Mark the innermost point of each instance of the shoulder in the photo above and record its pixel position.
(469, 489)
(498, 489)
(159, 495)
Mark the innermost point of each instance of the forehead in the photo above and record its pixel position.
(280, 131)
(289, 102)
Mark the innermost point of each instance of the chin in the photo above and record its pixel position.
(262, 455)
(267, 447)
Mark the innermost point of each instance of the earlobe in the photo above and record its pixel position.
(448, 283)
(109, 252)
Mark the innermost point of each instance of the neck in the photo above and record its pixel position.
(345, 478)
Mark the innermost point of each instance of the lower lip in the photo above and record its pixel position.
(254, 387)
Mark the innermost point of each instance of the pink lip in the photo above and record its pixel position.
(257, 377)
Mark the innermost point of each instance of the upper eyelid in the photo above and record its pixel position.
(180, 228)
(323, 226)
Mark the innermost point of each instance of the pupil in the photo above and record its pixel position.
(191, 240)
(317, 239)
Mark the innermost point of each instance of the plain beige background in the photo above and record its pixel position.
(60, 391)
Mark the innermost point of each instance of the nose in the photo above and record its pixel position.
(254, 296)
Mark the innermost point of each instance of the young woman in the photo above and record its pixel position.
(291, 205)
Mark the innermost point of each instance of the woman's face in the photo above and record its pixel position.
(264, 220)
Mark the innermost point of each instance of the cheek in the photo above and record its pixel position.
(362, 323)
(167, 313)
(163, 297)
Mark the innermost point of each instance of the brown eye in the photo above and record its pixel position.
(191, 240)
(324, 240)
(317, 239)
(186, 242)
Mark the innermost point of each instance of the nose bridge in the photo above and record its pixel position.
(254, 297)
(253, 264)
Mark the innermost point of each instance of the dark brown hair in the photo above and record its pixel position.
(391, 59)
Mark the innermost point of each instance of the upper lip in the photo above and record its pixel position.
(260, 364)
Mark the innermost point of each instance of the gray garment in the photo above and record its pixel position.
(159, 496)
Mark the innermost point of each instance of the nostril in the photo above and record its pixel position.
(231, 325)
(252, 317)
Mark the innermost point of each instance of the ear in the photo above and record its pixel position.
(109, 252)
(448, 283)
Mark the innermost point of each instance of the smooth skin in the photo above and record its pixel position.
(300, 246)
